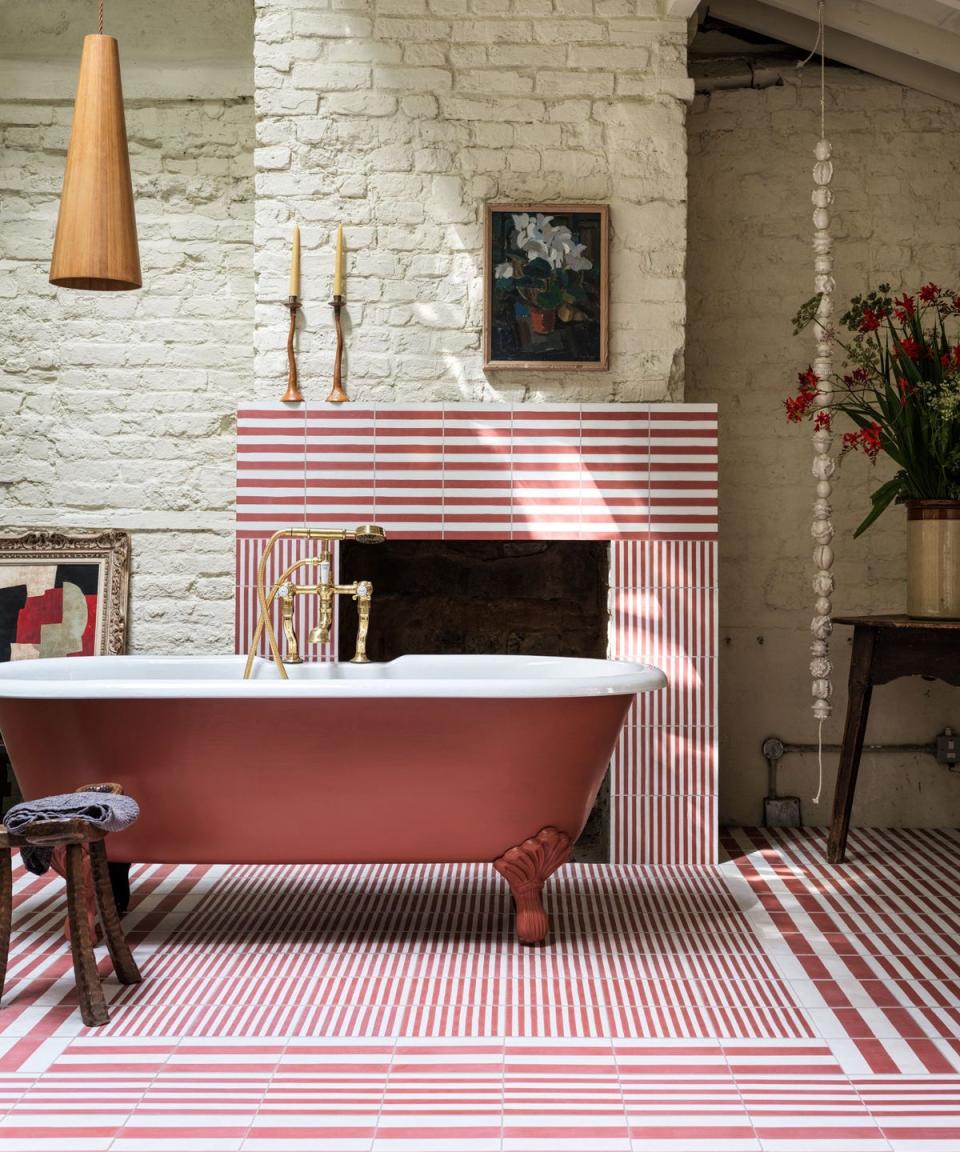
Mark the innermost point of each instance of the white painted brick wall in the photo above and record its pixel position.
(896, 155)
(400, 118)
(117, 410)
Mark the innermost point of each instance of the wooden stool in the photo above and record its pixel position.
(884, 649)
(73, 836)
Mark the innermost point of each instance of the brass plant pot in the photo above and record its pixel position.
(933, 559)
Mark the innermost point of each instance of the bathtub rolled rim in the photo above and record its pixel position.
(221, 677)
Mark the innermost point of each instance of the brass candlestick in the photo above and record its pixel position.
(293, 395)
(337, 394)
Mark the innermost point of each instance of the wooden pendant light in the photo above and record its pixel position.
(96, 242)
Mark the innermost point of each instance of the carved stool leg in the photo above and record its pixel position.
(6, 911)
(93, 1007)
(123, 962)
(58, 863)
(525, 868)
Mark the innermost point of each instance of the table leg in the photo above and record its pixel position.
(860, 689)
(6, 911)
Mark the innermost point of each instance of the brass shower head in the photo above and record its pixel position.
(369, 534)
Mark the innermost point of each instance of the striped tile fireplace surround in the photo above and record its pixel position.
(643, 476)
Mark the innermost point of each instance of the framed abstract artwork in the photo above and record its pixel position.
(546, 293)
(63, 594)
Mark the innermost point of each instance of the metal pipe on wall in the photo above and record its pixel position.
(784, 811)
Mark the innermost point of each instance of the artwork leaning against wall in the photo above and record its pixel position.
(61, 594)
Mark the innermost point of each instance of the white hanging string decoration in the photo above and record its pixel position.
(824, 466)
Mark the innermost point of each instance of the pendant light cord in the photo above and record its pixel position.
(100, 14)
(819, 47)
(823, 66)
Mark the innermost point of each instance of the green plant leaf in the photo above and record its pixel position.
(550, 297)
(881, 500)
(539, 267)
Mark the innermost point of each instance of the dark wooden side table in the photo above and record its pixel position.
(884, 649)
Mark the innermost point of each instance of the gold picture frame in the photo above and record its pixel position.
(517, 332)
(95, 564)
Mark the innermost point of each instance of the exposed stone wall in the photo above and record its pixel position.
(400, 118)
(117, 409)
(521, 597)
(896, 154)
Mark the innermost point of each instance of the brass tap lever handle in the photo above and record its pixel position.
(363, 595)
(289, 594)
(320, 633)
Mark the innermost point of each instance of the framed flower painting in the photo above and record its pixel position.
(546, 286)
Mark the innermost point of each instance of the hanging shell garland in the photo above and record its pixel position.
(821, 667)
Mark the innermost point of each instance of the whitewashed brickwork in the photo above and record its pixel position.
(117, 409)
(750, 267)
(400, 118)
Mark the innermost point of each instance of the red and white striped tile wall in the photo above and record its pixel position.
(643, 476)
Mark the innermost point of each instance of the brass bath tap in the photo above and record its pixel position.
(360, 590)
(325, 589)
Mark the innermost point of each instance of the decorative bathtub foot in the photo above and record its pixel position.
(525, 868)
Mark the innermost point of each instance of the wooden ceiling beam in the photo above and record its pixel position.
(901, 33)
(772, 20)
(680, 9)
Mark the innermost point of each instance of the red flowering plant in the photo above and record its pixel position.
(900, 387)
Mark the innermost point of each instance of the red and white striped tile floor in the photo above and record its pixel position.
(770, 1004)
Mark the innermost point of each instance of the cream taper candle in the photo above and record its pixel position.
(295, 261)
(338, 267)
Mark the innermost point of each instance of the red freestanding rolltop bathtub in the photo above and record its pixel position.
(424, 759)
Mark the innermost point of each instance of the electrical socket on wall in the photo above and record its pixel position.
(948, 749)
(782, 812)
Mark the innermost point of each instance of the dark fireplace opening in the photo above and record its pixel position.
(543, 598)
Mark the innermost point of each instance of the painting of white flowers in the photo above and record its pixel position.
(545, 286)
